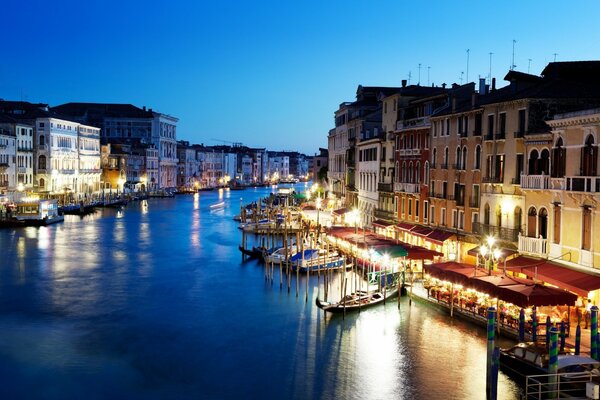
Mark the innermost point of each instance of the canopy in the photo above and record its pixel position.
(404, 226)
(492, 284)
(536, 295)
(381, 223)
(438, 236)
(575, 281)
(340, 211)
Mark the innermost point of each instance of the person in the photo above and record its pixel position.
(579, 310)
(588, 313)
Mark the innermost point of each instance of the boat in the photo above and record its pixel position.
(315, 260)
(278, 255)
(528, 358)
(253, 253)
(77, 209)
(358, 300)
(217, 206)
(33, 213)
(115, 203)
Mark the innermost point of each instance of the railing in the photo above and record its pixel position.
(412, 123)
(532, 245)
(564, 385)
(535, 181)
(476, 132)
(384, 187)
(558, 183)
(588, 184)
(407, 187)
(489, 136)
(500, 232)
(3, 165)
(460, 201)
(450, 197)
(516, 181)
(384, 214)
(21, 170)
(500, 136)
(409, 152)
(24, 149)
(491, 179)
(463, 134)
(474, 202)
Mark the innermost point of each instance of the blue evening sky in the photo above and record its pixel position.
(271, 73)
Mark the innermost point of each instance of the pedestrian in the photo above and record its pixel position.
(579, 310)
(588, 313)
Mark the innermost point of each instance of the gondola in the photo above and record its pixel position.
(355, 301)
(253, 253)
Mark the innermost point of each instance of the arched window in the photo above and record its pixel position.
(410, 172)
(544, 167)
(404, 172)
(543, 223)
(518, 218)
(42, 140)
(426, 178)
(446, 157)
(42, 162)
(486, 214)
(533, 162)
(464, 158)
(42, 184)
(559, 158)
(477, 157)
(531, 222)
(396, 172)
(589, 160)
(458, 157)
(433, 157)
(556, 223)
(418, 173)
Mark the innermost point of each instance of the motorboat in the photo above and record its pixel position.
(279, 255)
(217, 206)
(315, 260)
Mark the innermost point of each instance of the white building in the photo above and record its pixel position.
(279, 167)
(8, 153)
(23, 133)
(164, 135)
(89, 173)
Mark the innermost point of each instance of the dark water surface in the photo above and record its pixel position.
(153, 302)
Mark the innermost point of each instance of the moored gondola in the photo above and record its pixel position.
(357, 301)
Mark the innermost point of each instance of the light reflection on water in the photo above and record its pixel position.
(122, 304)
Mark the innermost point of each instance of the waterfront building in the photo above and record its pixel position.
(89, 170)
(369, 149)
(338, 146)
(188, 166)
(23, 134)
(278, 166)
(318, 166)
(152, 169)
(517, 143)
(8, 151)
(127, 122)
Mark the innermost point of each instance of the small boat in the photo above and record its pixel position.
(528, 358)
(253, 253)
(358, 300)
(218, 205)
(278, 255)
(34, 213)
(315, 260)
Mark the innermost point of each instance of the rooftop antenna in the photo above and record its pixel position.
(513, 66)
(461, 76)
(555, 54)
(528, 64)
(468, 51)
(419, 82)
(490, 74)
(409, 76)
(428, 68)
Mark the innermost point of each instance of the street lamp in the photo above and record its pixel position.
(354, 216)
(318, 204)
(490, 253)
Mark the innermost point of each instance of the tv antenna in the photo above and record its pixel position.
(419, 82)
(409, 77)
(490, 74)
(468, 51)
(528, 64)
(461, 76)
(555, 54)
(428, 68)
(513, 66)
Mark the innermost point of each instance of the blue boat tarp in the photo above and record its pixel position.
(308, 254)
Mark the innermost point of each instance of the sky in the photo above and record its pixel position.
(272, 73)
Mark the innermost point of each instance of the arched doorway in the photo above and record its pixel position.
(544, 164)
(486, 214)
(533, 162)
(518, 218)
(42, 184)
(543, 223)
(531, 222)
(588, 158)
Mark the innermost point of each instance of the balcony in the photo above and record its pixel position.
(21, 170)
(500, 232)
(384, 187)
(24, 149)
(532, 245)
(409, 152)
(500, 136)
(463, 134)
(474, 202)
(587, 184)
(492, 179)
(412, 123)
(384, 214)
(538, 182)
(489, 136)
(3, 165)
(407, 187)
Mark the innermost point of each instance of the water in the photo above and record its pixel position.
(153, 302)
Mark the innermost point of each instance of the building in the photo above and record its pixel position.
(318, 170)
(121, 122)
(23, 134)
(8, 154)
(188, 166)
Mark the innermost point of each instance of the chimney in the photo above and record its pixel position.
(493, 84)
(482, 86)
(443, 86)
(403, 82)
(144, 108)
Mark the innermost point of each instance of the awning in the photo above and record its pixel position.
(404, 226)
(575, 281)
(536, 295)
(503, 252)
(422, 231)
(382, 224)
(438, 236)
(340, 211)
(393, 251)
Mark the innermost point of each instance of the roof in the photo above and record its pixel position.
(103, 110)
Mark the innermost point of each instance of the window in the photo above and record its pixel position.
(586, 234)
(490, 127)
(42, 162)
(425, 210)
(433, 157)
(410, 207)
(499, 167)
(478, 123)
(557, 223)
(521, 122)
(443, 218)
(461, 219)
(589, 159)
(42, 140)
(559, 156)
(417, 209)
(477, 157)
(444, 189)
(502, 128)
(432, 214)
(454, 219)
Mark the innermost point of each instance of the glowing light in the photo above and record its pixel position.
(497, 253)
(483, 251)
(491, 240)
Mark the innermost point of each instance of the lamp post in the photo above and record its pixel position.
(318, 204)
(490, 253)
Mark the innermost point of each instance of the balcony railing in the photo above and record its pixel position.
(500, 135)
(384, 214)
(407, 187)
(491, 179)
(474, 202)
(587, 184)
(21, 170)
(539, 182)
(412, 123)
(384, 187)
(532, 245)
(24, 149)
(409, 152)
(489, 136)
(500, 232)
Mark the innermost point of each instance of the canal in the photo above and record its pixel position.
(153, 302)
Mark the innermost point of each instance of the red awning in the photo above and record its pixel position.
(438, 236)
(382, 224)
(340, 211)
(422, 231)
(536, 295)
(404, 226)
(575, 281)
